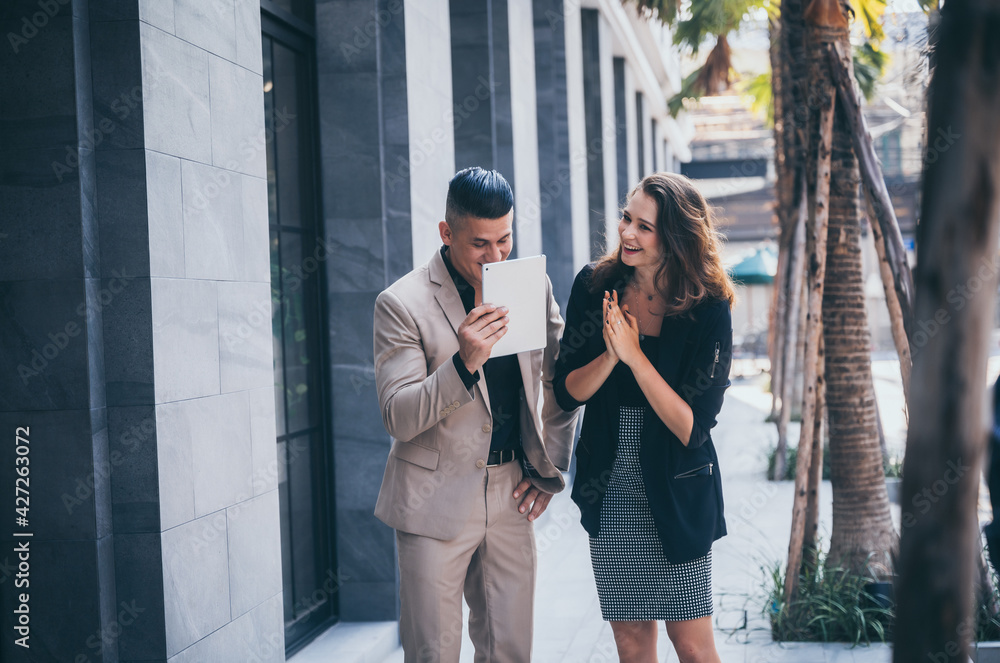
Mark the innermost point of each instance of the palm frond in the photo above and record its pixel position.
(870, 12)
(759, 89)
(869, 66)
(688, 91)
(665, 10)
(712, 77)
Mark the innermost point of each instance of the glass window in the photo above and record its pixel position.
(304, 458)
(300, 9)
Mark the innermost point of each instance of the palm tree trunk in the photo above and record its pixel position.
(957, 240)
(899, 337)
(796, 271)
(822, 99)
(779, 297)
(810, 542)
(897, 280)
(862, 523)
(788, 76)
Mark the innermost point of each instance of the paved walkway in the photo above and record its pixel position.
(568, 624)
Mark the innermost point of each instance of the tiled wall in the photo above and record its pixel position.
(594, 120)
(579, 151)
(364, 136)
(480, 74)
(51, 336)
(164, 403)
(553, 145)
(621, 131)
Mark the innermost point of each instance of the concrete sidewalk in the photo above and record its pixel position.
(568, 624)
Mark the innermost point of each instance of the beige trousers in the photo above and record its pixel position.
(492, 561)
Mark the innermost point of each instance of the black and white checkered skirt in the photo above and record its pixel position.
(635, 582)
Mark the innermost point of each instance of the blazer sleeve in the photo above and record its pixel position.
(410, 399)
(709, 377)
(577, 347)
(558, 423)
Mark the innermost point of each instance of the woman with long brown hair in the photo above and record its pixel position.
(647, 347)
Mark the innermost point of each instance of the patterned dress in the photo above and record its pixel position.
(635, 582)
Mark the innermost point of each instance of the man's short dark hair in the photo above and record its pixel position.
(475, 192)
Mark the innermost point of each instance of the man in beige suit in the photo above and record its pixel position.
(478, 443)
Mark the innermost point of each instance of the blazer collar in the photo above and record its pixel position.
(451, 305)
(447, 294)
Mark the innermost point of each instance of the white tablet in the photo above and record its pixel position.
(520, 286)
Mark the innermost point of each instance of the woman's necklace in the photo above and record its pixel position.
(650, 314)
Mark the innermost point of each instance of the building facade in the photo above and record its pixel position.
(199, 202)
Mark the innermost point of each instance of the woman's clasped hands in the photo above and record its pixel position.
(621, 332)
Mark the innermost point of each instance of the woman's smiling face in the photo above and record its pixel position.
(641, 244)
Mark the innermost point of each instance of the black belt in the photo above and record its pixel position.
(503, 456)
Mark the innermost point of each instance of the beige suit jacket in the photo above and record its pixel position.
(441, 430)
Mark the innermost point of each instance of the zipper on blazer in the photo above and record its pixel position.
(695, 472)
(716, 362)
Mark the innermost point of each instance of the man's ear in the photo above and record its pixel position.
(447, 237)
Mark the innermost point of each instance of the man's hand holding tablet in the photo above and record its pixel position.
(482, 328)
(519, 286)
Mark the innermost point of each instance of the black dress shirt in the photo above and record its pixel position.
(503, 377)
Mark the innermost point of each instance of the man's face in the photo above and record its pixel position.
(477, 242)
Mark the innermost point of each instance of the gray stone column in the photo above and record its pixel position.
(553, 145)
(590, 25)
(657, 145)
(364, 149)
(640, 128)
(154, 465)
(52, 388)
(480, 74)
(621, 132)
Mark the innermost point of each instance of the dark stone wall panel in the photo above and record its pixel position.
(117, 75)
(371, 543)
(594, 123)
(364, 151)
(351, 330)
(43, 186)
(135, 493)
(43, 333)
(62, 478)
(621, 131)
(553, 145)
(122, 213)
(139, 582)
(63, 576)
(37, 75)
(125, 304)
(640, 135)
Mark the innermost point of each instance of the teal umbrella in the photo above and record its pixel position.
(759, 267)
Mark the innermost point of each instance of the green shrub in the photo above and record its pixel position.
(791, 457)
(988, 623)
(831, 605)
(892, 466)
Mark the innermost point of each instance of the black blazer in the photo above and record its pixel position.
(683, 483)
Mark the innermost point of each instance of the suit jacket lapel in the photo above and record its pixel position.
(451, 305)
(447, 294)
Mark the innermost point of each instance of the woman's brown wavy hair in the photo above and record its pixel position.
(692, 269)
